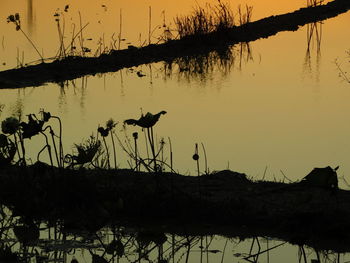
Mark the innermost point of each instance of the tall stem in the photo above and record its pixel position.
(23, 148)
(151, 142)
(114, 152)
(19, 156)
(31, 42)
(136, 162)
(48, 147)
(54, 146)
(104, 141)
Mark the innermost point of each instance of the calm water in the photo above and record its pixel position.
(135, 244)
(281, 105)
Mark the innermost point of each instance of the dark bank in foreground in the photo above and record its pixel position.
(73, 67)
(312, 212)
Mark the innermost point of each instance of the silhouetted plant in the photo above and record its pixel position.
(135, 135)
(7, 150)
(210, 19)
(147, 122)
(85, 152)
(11, 126)
(15, 19)
(196, 157)
(205, 20)
(34, 126)
(104, 132)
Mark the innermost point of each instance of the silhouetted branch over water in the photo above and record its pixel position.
(74, 67)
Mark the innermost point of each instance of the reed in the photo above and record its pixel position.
(204, 20)
(211, 18)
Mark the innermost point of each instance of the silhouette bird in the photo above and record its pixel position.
(145, 121)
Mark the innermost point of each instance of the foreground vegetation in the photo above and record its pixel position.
(84, 192)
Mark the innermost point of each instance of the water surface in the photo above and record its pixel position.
(282, 105)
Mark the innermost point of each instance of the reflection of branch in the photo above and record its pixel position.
(244, 49)
(262, 252)
(314, 32)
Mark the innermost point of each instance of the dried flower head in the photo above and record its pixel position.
(110, 124)
(104, 132)
(32, 128)
(10, 125)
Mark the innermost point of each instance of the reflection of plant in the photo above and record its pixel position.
(15, 19)
(148, 121)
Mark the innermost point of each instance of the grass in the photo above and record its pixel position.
(210, 19)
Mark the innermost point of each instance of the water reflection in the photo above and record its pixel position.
(205, 66)
(30, 16)
(26, 240)
(79, 87)
(313, 38)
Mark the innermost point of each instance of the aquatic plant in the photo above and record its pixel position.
(15, 19)
(11, 127)
(104, 132)
(244, 17)
(86, 152)
(7, 150)
(147, 122)
(2, 106)
(71, 49)
(205, 20)
(211, 18)
(135, 135)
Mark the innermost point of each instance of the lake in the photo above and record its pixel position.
(276, 110)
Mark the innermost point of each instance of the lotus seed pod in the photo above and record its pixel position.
(11, 18)
(10, 125)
